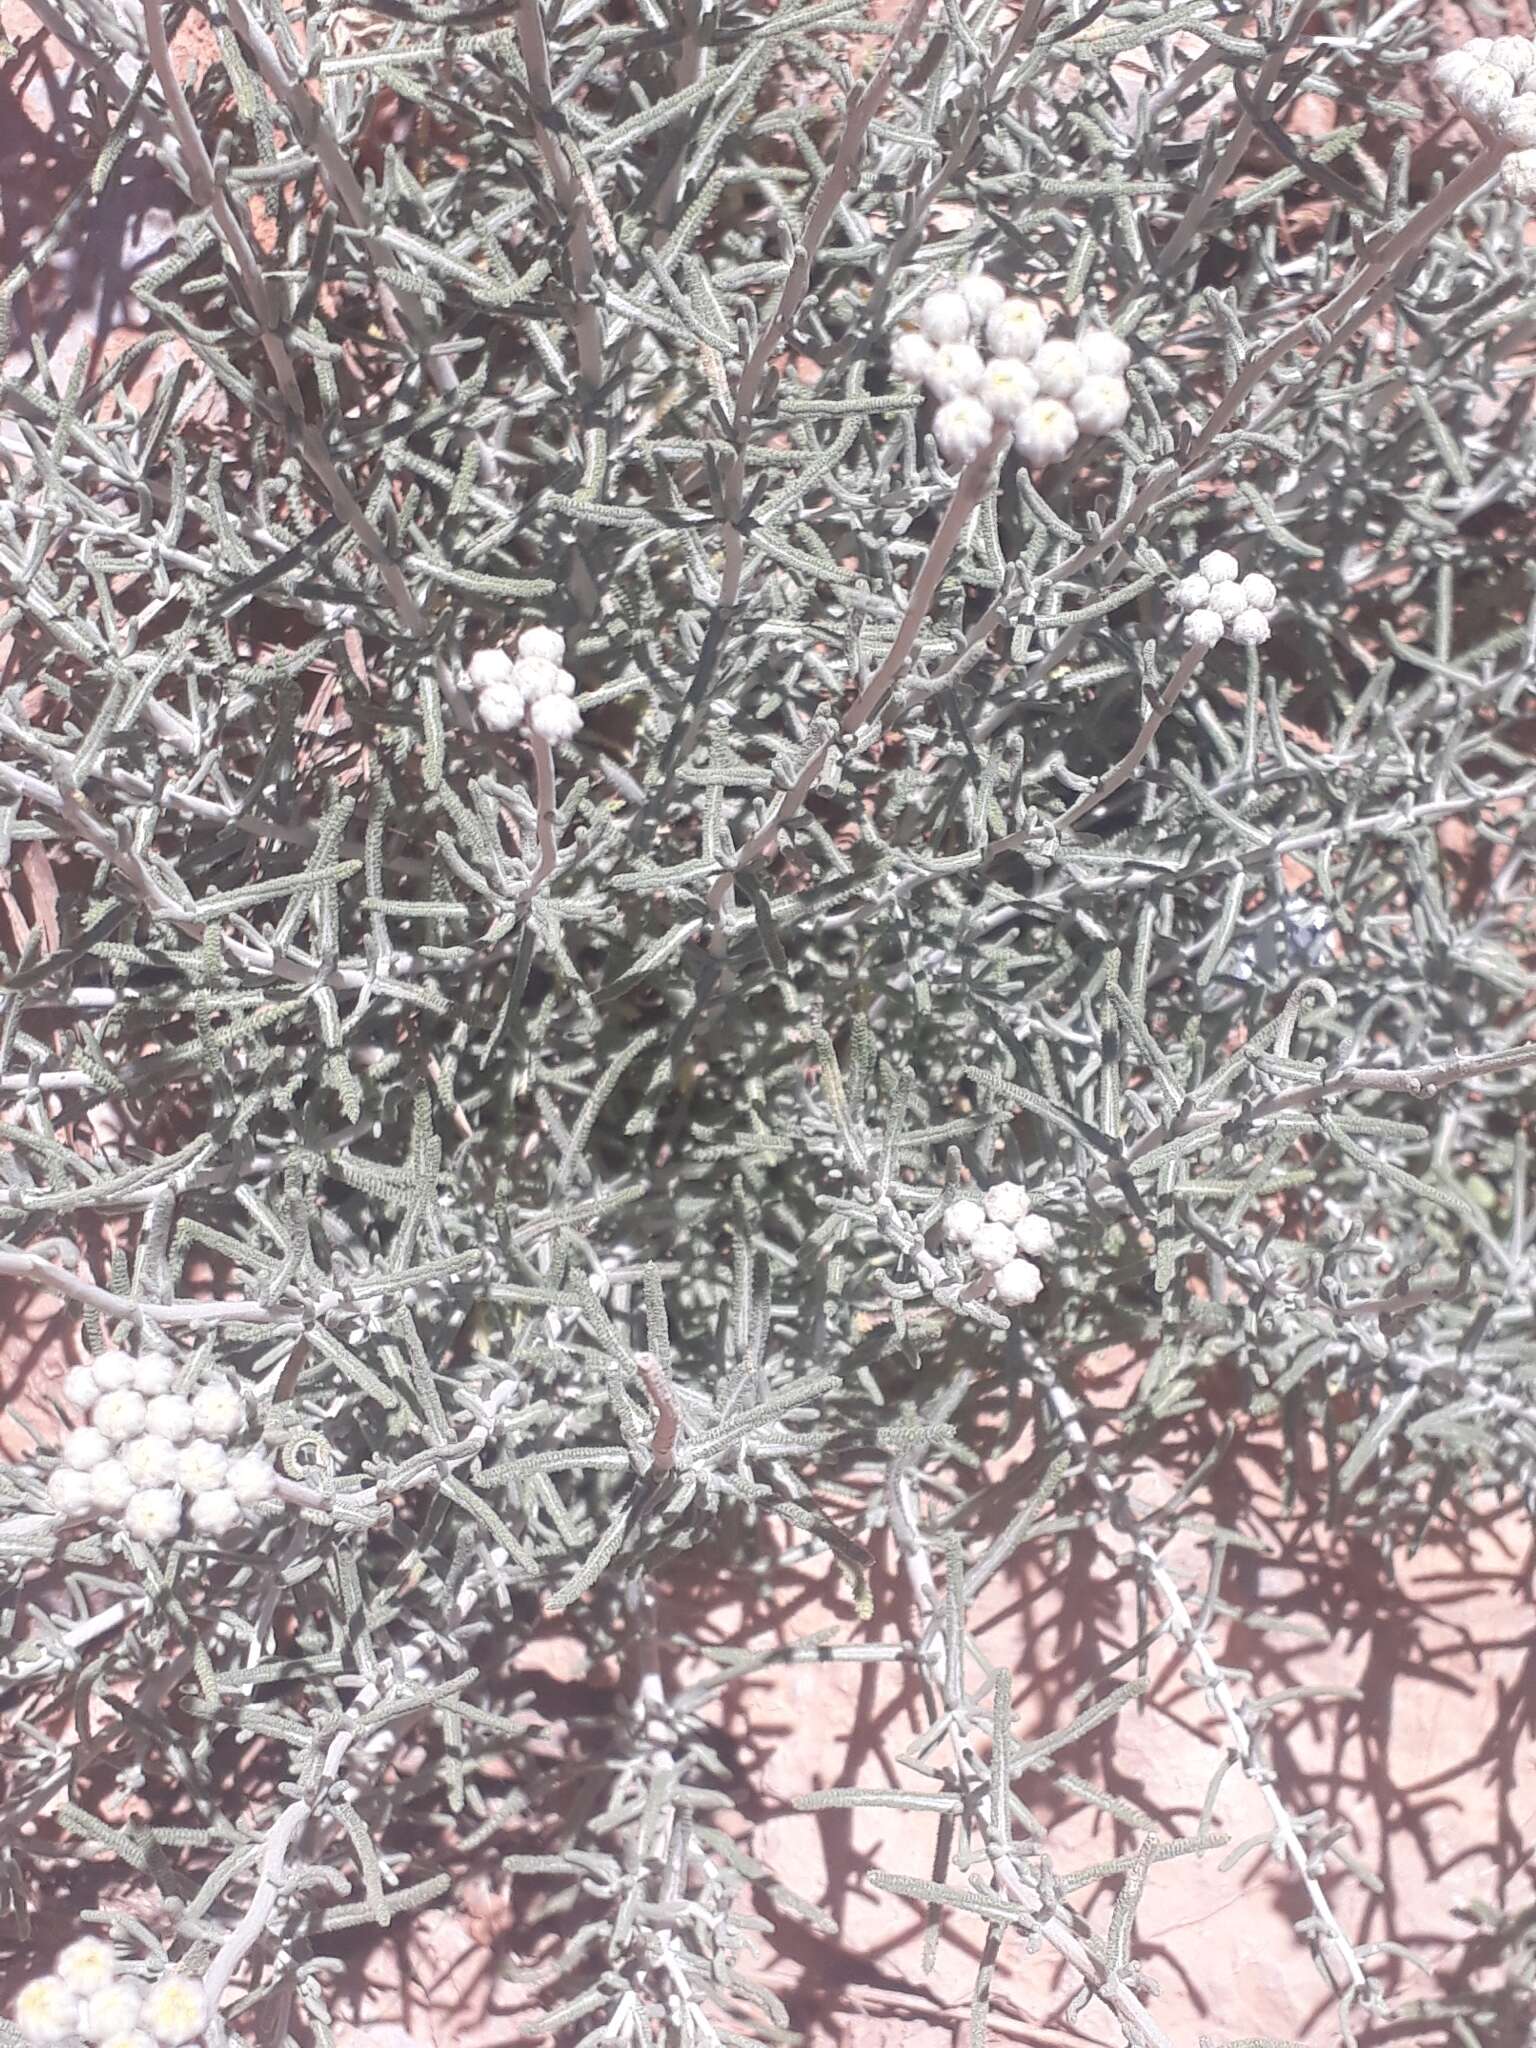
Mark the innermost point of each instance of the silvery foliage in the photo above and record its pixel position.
(554, 1141)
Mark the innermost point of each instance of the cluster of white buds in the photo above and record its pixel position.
(1492, 80)
(1000, 1235)
(1217, 602)
(146, 1453)
(533, 686)
(989, 360)
(84, 2001)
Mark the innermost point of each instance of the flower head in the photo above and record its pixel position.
(1514, 54)
(46, 2012)
(1226, 600)
(1101, 404)
(945, 317)
(963, 1219)
(1517, 175)
(536, 677)
(170, 1416)
(1191, 594)
(554, 718)
(1218, 566)
(1015, 328)
(114, 1369)
(1485, 91)
(501, 707)
(911, 356)
(251, 1479)
(153, 1516)
(489, 666)
(217, 1409)
(215, 1513)
(69, 1492)
(1203, 627)
(1007, 388)
(1259, 592)
(86, 1965)
(982, 295)
(1034, 1235)
(1046, 433)
(81, 1388)
(175, 2011)
(112, 1486)
(149, 1460)
(955, 369)
(543, 643)
(962, 428)
(153, 1374)
(1105, 354)
(111, 2010)
(1250, 628)
(201, 1466)
(1017, 1282)
(992, 1245)
(120, 1415)
(1059, 368)
(85, 1447)
(1005, 1202)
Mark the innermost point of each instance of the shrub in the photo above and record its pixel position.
(542, 1127)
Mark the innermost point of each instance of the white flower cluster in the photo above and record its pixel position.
(86, 2001)
(1215, 601)
(1492, 80)
(1001, 1236)
(147, 1452)
(533, 686)
(1045, 391)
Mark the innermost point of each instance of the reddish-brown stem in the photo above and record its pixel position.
(968, 494)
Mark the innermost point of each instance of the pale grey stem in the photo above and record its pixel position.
(1051, 1923)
